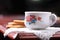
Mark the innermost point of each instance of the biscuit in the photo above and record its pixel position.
(12, 23)
(15, 26)
(18, 21)
(21, 22)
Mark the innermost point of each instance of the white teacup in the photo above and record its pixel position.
(39, 20)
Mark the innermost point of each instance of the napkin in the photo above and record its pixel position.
(43, 34)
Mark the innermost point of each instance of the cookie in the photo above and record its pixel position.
(15, 26)
(21, 22)
(12, 23)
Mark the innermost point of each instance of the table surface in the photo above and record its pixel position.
(4, 19)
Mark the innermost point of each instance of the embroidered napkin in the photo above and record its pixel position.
(43, 34)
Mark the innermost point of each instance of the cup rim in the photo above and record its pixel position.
(38, 12)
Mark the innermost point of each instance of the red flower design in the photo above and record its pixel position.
(33, 16)
(28, 18)
(39, 18)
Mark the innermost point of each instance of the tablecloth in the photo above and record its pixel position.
(43, 34)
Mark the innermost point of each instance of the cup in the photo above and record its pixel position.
(39, 20)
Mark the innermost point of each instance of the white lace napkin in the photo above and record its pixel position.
(43, 34)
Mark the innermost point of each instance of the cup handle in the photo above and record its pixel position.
(53, 19)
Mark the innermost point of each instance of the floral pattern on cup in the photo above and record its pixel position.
(32, 19)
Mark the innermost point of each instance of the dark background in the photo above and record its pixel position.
(20, 6)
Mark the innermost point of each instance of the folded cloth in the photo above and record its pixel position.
(43, 34)
(12, 35)
(2, 29)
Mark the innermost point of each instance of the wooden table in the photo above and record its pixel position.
(27, 36)
(4, 19)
